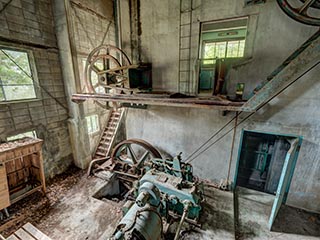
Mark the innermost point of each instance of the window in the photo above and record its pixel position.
(16, 78)
(92, 123)
(224, 41)
(31, 134)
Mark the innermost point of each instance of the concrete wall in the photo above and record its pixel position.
(29, 25)
(272, 36)
(92, 24)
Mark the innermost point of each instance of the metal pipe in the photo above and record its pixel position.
(184, 215)
(232, 145)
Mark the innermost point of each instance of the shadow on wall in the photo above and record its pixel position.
(309, 81)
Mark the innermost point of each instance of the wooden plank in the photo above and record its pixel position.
(12, 222)
(4, 196)
(25, 194)
(10, 167)
(12, 237)
(35, 160)
(23, 235)
(207, 103)
(19, 163)
(36, 233)
(42, 176)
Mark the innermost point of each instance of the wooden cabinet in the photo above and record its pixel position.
(21, 170)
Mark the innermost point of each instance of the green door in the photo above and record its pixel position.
(285, 179)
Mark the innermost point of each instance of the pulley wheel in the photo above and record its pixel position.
(105, 71)
(304, 11)
(134, 151)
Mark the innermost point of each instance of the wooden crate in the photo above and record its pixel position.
(21, 170)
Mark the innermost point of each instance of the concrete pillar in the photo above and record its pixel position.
(77, 123)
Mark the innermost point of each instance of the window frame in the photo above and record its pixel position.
(33, 70)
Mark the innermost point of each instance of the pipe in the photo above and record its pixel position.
(184, 215)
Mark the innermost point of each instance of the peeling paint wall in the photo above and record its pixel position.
(29, 25)
(173, 51)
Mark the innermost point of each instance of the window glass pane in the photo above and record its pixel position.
(209, 50)
(95, 123)
(92, 123)
(16, 81)
(32, 134)
(241, 48)
(233, 49)
(1, 94)
(17, 92)
(221, 49)
(10, 72)
(100, 89)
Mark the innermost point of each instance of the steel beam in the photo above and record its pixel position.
(300, 62)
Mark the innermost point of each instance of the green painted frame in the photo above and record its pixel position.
(272, 133)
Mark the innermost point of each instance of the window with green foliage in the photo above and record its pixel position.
(31, 134)
(92, 123)
(225, 49)
(16, 78)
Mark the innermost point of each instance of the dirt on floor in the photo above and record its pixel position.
(34, 207)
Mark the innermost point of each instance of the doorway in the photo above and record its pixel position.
(266, 163)
(221, 44)
(261, 161)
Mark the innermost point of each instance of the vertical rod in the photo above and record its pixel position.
(232, 145)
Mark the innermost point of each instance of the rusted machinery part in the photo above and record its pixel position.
(104, 62)
(94, 164)
(126, 144)
(302, 13)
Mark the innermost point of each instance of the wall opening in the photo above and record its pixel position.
(261, 160)
(222, 43)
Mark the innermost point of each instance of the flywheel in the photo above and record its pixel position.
(134, 152)
(304, 11)
(106, 71)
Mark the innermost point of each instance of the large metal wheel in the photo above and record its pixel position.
(304, 11)
(134, 152)
(105, 70)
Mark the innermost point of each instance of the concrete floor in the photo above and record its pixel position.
(253, 211)
(79, 216)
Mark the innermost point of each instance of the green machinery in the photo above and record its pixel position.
(165, 192)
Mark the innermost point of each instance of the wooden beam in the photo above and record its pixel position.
(208, 103)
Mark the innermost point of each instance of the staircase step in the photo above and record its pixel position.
(106, 143)
(100, 154)
(107, 135)
(102, 148)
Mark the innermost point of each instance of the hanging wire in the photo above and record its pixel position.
(28, 75)
(215, 134)
(247, 117)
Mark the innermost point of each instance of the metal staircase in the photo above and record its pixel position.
(108, 134)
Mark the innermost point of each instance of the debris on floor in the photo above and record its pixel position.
(34, 207)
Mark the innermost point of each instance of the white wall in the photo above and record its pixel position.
(272, 37)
